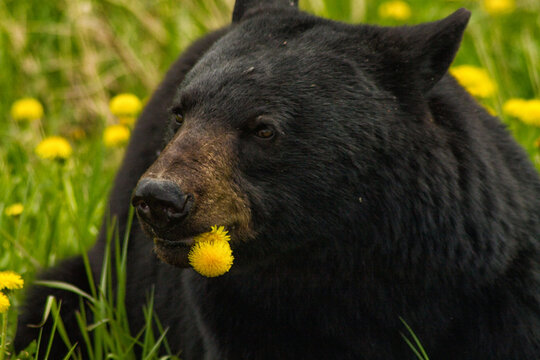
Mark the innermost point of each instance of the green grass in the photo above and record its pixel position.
(75, 55)
(413, 342)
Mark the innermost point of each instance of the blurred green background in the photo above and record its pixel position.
(74, 56)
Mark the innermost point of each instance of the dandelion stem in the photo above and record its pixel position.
(3, 334)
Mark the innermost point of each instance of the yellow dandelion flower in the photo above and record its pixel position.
(397, 10)
(4, 303)
(218, 233)
(498, 7)
(10, 280)
(14, 210)
(211, 258)
(514, 107)
(530, 114)
(476, 80)
(125, 105)
(527, 111)
(115, 135)
(54, 148)
(26, 109)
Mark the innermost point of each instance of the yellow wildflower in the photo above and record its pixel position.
(218, 233)
(26, 109)
(537, 143)
(14, 210)
(397, 10)
(211, 258)
(125, 105)
(10, 280)
(514, 107)
(4, 303)
(498, 7)
(476, 80)
(527, 111)
(115, 135)
(54, 147)
(530, 114)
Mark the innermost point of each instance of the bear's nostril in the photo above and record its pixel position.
(171, 212)
(159, 202)
(143, 206)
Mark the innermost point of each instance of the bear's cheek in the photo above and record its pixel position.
(205, 169)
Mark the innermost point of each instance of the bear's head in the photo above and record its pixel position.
(289, 130)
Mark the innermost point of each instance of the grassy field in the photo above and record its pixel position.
(74, 56)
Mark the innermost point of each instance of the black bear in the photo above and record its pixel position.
(360, 184)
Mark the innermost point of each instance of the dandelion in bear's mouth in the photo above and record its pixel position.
(218, 233)
(211, 255)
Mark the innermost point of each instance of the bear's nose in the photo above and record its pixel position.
(160, 202)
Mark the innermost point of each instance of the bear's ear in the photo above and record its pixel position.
(424, 52)
(241, 7)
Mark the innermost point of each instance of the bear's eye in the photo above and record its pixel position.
(178, 119)
(264, 132)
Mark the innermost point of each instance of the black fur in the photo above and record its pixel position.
(388, 192)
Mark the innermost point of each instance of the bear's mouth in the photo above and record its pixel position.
(173, 252)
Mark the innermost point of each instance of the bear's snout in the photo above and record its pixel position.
(161, 203)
